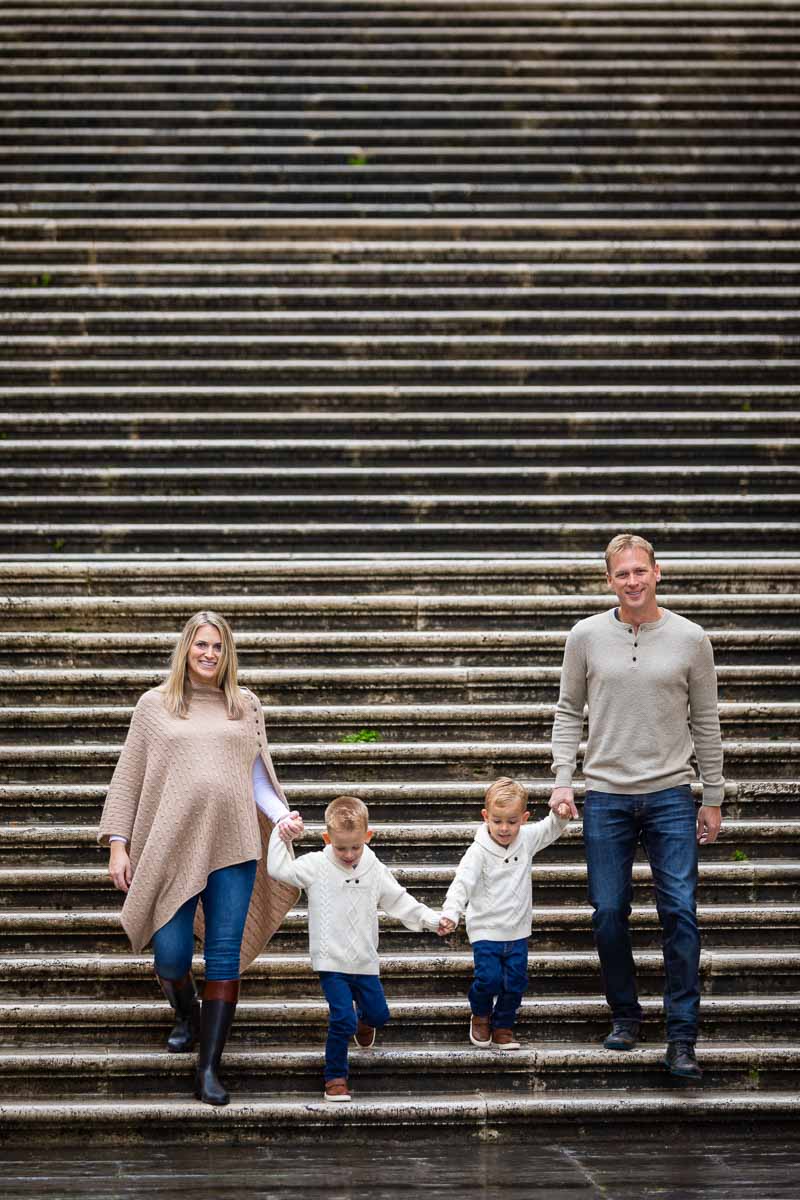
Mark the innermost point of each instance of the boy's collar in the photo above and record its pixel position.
(487, 842)
(365, 863)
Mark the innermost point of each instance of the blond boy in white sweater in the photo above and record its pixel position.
(346, 884)
(493, 885)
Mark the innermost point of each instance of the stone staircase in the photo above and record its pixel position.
(369, 325)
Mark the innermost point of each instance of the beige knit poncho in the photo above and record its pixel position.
(182, 795)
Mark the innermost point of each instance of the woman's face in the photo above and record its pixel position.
(204, 655)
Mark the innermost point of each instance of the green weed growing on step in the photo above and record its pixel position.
(58, 545)
(357, 160)
(739, 855)
(363, 735)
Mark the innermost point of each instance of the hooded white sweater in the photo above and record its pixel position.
(493, 882)
(343, 905)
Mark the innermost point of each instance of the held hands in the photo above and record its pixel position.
(446, 926)
(562, 801)
(709, 820)
(119, 866)
(290, 827)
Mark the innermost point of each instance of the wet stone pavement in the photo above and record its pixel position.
(690, 1165)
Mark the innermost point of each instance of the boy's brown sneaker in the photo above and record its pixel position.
(337, 1090)
(480, 1033)
(364, 1036)
(503, 1039)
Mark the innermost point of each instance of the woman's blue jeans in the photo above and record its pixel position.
(665, 824)
(226, 899)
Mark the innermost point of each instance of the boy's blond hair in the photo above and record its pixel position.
(346, 813)
(628, 541)
(505, 793)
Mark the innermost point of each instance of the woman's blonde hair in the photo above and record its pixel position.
(176, 686)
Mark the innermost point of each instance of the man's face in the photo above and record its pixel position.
(633, 579)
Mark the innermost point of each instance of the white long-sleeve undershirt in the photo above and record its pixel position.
(266, 798)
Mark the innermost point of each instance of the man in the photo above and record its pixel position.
(641, 670)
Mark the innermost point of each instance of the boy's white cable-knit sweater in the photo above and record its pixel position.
(343, 905)
(493, 883)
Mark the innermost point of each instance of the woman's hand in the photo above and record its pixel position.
(119, 866)
(290, 827)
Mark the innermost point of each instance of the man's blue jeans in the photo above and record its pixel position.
(341, 991)
(226, 899)
(665, 824)
(501, 977)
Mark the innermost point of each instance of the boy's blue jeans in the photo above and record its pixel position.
(226, 899)
(501, 977)
(665, 824)
(341, 992)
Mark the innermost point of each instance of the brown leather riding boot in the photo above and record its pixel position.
(182, 996)
(219, 1004)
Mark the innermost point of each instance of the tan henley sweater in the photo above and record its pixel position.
(182, 795)
(650, 695)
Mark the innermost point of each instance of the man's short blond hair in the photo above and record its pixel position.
(628, 541)
(347, 814)
(505, 793)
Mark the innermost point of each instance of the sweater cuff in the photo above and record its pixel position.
(563, 777)
(713, 794)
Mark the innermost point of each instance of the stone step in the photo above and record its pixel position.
(380, 612)
(122, 350)
(562, 579)
(40, 844)
(321, 167)
(83, 662)
(369, 685)
(428, 801)
(251, 1118)
(528, 240)
(133, 201)
(558, 927)
(629, 362)
(396, 722)
(66, 761)
(400, 537)
(427, 136)
(78, 484)
(105, 307)
(743, 657)
(74, 1072)
(215, 407)
(760, 882)
(57, 511)
(437, 1020)
(61, 329)
(420, 25)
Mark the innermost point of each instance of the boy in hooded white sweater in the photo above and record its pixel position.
(346, 884)
(493, 885)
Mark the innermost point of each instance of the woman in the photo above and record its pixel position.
(188, 815)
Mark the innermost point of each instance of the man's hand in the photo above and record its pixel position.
(290, 827)
(445, 926)
(566, 796)
(709, 820)
(119, 866)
